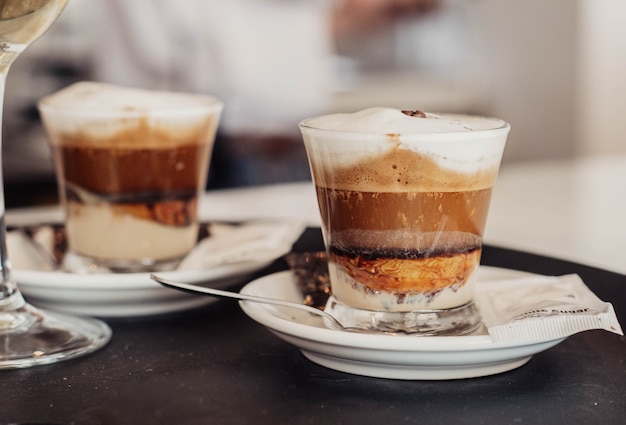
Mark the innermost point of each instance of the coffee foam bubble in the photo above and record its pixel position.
(101, 110)
(385, 149)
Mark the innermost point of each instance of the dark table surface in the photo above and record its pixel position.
(215, 365)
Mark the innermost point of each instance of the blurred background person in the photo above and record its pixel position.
(554, 70)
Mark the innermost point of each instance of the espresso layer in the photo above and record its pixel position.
(402, 219)
(124, 170)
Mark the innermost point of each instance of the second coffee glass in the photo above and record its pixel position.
(130, 166)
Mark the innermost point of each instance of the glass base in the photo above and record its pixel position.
(31, 337)
(460, 320)
(76, 263)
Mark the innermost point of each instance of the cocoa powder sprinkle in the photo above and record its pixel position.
(415, 113)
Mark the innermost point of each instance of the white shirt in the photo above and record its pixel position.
(270, 61)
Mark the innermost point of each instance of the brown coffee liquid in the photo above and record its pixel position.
(155, 184)
(408, 212)
(116, 171)
(405, 241)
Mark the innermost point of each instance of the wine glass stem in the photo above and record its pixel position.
(10, 297)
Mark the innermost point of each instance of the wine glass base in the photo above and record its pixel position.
(30, 337)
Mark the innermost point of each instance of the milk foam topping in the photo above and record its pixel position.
(89, 113)
(394, 121)
(463, 143)
(90, 96)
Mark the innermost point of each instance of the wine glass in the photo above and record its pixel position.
(30, 336)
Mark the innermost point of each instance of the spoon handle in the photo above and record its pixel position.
(196, 289)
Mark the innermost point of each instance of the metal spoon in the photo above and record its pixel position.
(330, 321)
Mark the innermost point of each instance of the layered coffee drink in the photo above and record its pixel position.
(130, 164)
(403, 197)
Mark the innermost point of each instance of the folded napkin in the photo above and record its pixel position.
(252, 241)
(255, 241)
(541, 308)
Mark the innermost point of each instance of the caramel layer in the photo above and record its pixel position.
(405, 276)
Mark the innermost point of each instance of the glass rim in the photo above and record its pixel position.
(209, 105)
(501, 127)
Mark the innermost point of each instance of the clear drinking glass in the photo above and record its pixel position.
(403, 198)
(131, 166)
(30, 336)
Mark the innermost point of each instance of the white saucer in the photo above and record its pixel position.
(125, 294)
(225, 256)
(386, 356)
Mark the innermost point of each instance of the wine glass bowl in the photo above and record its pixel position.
(30, 336)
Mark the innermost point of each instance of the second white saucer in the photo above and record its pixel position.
(387, 356)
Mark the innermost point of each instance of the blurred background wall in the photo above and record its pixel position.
(601, 77)
(555, 70)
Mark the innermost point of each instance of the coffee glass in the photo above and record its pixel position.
(403, 198)
(130, 166)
